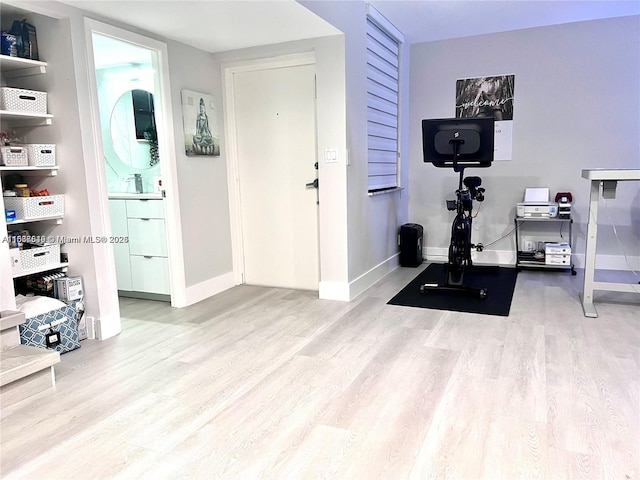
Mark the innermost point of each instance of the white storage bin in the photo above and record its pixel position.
(557, 259)
(30, 208)
(41, 155)
(36, 258)
(21, 100)
(14, 156)
(557, 249)
(16, 264)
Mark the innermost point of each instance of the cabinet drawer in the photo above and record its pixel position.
(150, 274)
(147, 237)
(145, 209)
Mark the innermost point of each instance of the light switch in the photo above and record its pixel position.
(330, 155)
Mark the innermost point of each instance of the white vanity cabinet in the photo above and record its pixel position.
(141, 264)
(118, 211)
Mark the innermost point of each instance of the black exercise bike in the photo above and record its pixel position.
(458, 144)
(460, 248)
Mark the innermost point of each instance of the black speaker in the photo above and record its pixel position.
(410, 245)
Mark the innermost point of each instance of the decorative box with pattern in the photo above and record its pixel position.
(56, 329)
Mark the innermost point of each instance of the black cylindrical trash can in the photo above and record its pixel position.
(410, 245)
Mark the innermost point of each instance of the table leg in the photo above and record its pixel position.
(590, 253)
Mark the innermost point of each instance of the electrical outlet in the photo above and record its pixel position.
(528, 246)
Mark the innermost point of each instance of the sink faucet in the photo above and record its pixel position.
(137, 178)
(138, 181)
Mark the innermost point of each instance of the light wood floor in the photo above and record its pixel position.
(276, 384)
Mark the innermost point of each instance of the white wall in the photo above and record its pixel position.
(576, 106)
(372, 222)
(204, 197)
(331, 126)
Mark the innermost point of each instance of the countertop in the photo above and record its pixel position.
(135, 196)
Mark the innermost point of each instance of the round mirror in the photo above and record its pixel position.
(133, 130)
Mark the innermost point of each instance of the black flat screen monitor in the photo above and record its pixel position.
(473, 138)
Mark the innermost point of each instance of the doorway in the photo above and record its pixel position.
(274, 114)
(134, 142)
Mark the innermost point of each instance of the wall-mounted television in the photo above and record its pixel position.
(453, 142)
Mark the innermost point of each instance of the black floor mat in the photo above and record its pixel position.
(499, 282)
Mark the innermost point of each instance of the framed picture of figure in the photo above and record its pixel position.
(200, 119)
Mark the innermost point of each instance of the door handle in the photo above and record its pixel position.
(313, 184)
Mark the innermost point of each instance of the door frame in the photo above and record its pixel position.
(233, 168)
(168, 169)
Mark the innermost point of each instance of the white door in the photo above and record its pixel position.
(276, 144)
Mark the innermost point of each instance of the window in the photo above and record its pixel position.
(383, 49)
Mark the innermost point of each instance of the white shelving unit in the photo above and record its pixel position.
(11, 68)
(21, 119)
(25, 370)
(527, 259)
(62, 266)
(56, 218)
(32, 171)
(14, 67)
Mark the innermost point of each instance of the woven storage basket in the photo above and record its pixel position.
(21, 100)
(14, 156)
(29, 208)
(41, 155)
(39, 257)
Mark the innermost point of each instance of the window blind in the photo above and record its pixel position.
(382, 104)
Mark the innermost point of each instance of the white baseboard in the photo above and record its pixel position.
(492, 257)
(104, 328)
(508, 257)
(377, 273)
(610, 262)
(208, 288)
(334, 291)
(346, 292)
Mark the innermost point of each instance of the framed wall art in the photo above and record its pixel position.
(489, 97)
(200, 119)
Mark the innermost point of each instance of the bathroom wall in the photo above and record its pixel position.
(118, 136)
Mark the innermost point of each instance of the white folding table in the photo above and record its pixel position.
(609, 179)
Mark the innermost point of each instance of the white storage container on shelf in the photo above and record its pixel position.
(21, 100)
(33, 258)
(32, 208)
(14, 156)
(41, 154)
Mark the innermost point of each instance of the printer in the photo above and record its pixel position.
(536, 204)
